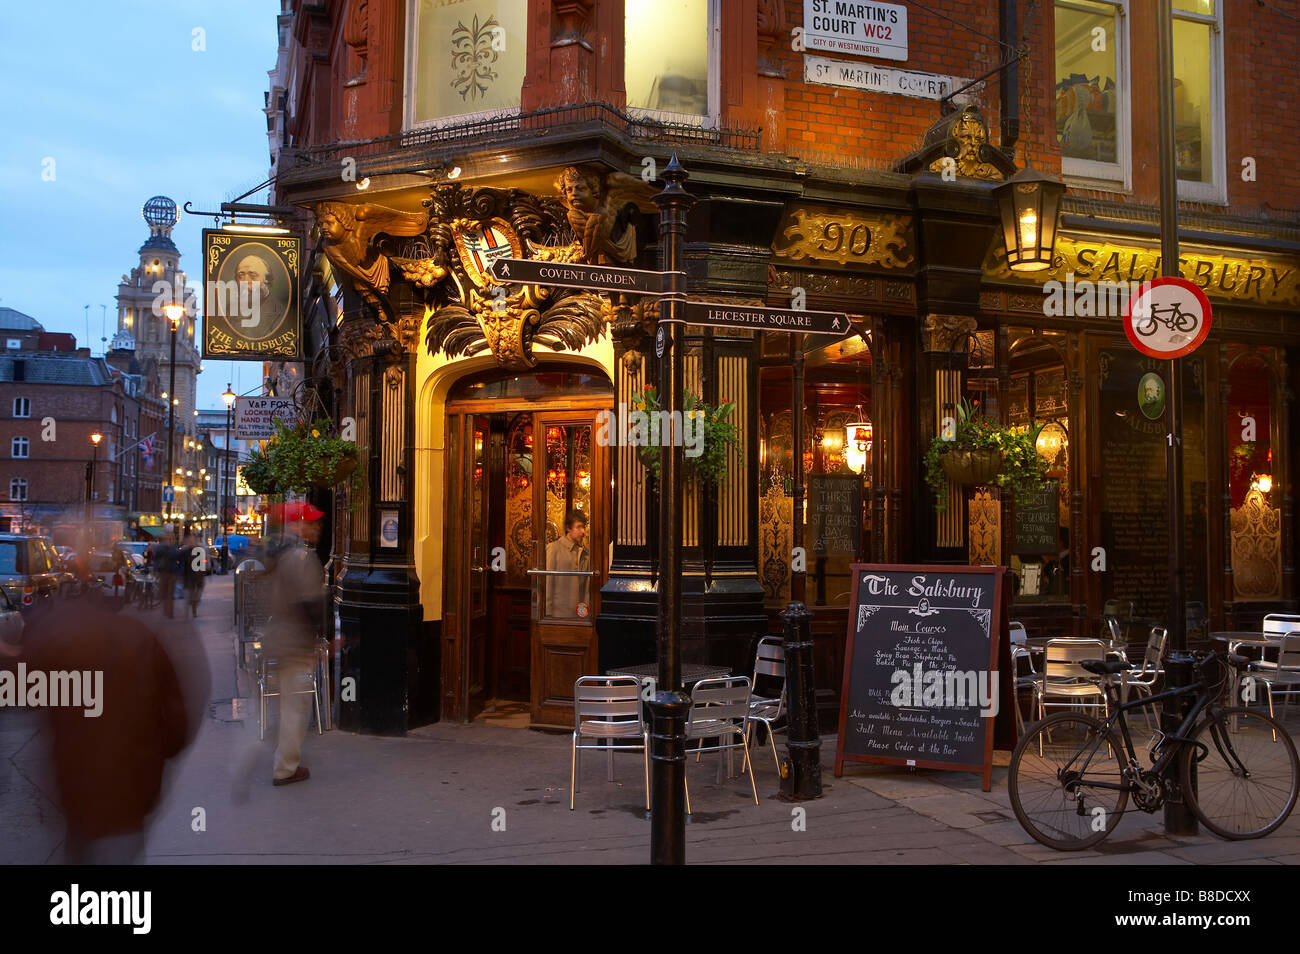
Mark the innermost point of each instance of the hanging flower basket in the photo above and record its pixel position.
(341, 472)
(971, 467)
(980, 451)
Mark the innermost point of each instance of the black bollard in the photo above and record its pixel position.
(1180, 670)
(668, 712)
(803, 736)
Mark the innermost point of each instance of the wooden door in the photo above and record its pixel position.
(572, 475)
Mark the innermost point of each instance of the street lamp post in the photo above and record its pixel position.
(95, 438)
(229, 398)
(174, 312)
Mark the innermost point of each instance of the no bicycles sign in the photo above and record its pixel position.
(1168, 318)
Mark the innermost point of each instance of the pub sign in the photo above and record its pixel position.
(251, 286)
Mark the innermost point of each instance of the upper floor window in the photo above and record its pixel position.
(464, 58)
(19, 447)
(18, 489)
(22, 407)
(1198, 99)
(1092, 90)
(671, 58)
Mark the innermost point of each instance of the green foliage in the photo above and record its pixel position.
(718, 435)
(1022, 469)
(301, 456)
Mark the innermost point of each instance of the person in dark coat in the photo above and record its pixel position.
(194, 571)
(109, 767)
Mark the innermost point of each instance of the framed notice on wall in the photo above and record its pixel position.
(252, 292)
(922, 686)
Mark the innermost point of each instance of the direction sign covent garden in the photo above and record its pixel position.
(523, 271)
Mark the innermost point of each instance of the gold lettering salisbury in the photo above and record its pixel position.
(1272, 280)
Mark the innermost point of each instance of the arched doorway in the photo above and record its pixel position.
(527, 546)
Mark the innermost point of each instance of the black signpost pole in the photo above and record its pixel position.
(670, 705)
(803, 738)
(1179, 670)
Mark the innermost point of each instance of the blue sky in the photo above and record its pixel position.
(115, 93)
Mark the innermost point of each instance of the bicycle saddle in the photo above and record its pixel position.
(1105, 667)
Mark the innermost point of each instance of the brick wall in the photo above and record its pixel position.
(843, 126)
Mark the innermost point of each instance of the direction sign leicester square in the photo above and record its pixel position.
(524, 271)
(765, 319)
(1168, 318)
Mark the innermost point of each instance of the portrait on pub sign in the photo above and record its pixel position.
(250, 287)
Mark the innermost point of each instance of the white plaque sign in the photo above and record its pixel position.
(862, 27)
(876, 79)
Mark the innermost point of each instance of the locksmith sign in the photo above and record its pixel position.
(255, 417)
(856, 26)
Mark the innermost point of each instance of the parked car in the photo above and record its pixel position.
(29, 571)
(11, 628)
(68, 582)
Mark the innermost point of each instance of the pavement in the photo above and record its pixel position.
(489, 793)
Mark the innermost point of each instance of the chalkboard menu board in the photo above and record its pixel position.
(834, 513)
(1037, 518)
(921, 684)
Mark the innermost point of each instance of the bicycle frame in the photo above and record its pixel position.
(1204, 701)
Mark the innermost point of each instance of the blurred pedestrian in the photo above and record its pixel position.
(109, 766)
(297, 613)
(162, 562)
(195, 571)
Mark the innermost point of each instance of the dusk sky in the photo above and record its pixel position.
(119, 98)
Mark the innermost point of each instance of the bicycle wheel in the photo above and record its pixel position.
(1233, 803)
(1146, 327)
(1051, 769)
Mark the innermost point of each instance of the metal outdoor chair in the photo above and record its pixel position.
(1063, 676)
(769, 665)
(1143, 678)
(268, 685)
(1116, 615)
(720, 710)
(1284, 672)
(606, 708)
(1020, 654)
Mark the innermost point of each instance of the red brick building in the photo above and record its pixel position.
(830, 169)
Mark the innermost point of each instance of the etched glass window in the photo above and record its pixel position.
(466, 58)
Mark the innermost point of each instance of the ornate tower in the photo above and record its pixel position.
(155, 281)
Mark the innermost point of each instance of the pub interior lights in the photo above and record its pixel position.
(1029, 204)
(857, 444)
(1261, 482)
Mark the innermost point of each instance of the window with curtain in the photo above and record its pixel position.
(1198, 98)
(1092, 68)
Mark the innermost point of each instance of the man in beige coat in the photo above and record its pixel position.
(565, 595)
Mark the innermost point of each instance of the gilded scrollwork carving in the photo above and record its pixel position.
(846, 236)
(948, 333)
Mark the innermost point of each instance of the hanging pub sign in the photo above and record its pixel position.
(251, 287)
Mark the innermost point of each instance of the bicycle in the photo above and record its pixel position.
(1178, 320)
(1071, 776)
(146, 591)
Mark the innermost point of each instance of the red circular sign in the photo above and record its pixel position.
(582, 610)
(1168, 318)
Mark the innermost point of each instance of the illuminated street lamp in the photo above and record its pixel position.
(174, 312)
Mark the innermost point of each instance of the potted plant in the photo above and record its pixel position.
(301, 456)
(980, 451)
(710, 465)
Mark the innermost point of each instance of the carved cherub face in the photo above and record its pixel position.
(970, 132)
(331, 227)
(580, 191)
